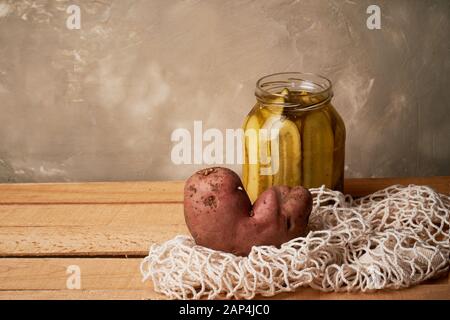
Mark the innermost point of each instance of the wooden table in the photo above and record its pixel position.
(106, 228)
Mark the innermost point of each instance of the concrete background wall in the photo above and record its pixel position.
(100, 103)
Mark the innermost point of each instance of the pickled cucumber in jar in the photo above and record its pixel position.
(293, 135)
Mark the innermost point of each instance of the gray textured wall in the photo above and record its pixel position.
(100, 103)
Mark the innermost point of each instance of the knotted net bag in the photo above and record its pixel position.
(394, 238)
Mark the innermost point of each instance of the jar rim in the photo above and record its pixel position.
(313, 84)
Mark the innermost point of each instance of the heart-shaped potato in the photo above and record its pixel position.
(220, 216)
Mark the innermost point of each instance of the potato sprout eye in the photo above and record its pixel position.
(240, 188)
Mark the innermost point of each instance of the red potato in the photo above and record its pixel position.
(220, 216)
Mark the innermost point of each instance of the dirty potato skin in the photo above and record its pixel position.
(220, 216)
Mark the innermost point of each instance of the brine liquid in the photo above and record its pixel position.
(311, 148)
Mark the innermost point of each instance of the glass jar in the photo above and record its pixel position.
(293, 135)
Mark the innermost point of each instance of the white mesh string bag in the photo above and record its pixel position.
(392, 239)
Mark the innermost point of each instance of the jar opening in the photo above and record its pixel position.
(293, 89)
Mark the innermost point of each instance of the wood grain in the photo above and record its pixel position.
(51, 274)
(83, 241)
(363, 187)
(93, 192)
(76, 215)
(143, 294)
(103, 278)
(422, 292)
(91, 230)
(46, 227)
(163, 192)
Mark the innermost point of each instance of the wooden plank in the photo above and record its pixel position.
(420, 292)
(52, 274)
(145, 294)
(363, 187)
(96, 274)
(84, 241)
(93, 230)
(76, 215)
(89, 229)
(160, 192)
(415, 293)
(92, 192)
(121, 279)
(106, 278)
